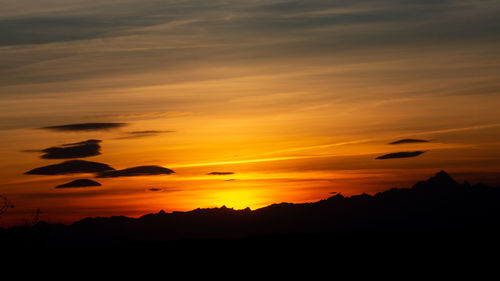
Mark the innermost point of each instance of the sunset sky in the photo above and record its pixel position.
(249, 102)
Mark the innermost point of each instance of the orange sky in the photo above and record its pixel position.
(295, 98)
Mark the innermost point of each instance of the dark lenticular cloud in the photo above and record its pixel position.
(405, 154)
(220, 173)
(73, 150)
(71, 167)
(154, 189)
(79, 183)
(85, 127)
(136, 171)
(405, 141)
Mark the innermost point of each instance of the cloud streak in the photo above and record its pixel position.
(220, 173)
(144, 134)
(404, 154)
(147, 115)
(85, 127)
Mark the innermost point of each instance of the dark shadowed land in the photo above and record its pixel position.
(436, 211)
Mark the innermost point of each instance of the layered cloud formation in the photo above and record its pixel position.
(88, 148)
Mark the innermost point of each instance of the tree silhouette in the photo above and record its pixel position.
(5, 204)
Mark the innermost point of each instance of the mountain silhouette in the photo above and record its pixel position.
(437, 205)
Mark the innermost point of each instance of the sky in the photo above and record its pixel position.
(240, 103)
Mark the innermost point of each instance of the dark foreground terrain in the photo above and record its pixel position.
(438, 211)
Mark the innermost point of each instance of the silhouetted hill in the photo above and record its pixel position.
(438, 205)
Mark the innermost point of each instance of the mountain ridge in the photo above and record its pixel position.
(435, 205)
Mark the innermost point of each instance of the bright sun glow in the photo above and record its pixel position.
(238, 199)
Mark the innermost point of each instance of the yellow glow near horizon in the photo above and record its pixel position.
(238, 198)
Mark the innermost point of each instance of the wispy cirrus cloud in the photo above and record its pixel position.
(147, 115)
(143, 134)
